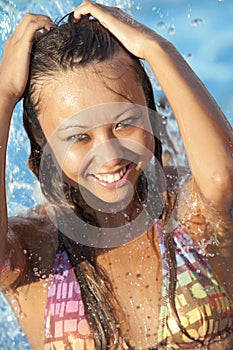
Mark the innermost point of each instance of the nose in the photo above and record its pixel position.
(107, 150)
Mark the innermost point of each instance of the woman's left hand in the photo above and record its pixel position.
(134, 36)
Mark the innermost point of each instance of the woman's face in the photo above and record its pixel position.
(98, 129)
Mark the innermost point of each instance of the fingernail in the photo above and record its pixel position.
(76, 18)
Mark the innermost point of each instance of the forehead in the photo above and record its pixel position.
(67, 93)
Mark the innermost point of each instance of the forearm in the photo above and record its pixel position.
(6, 110)
(206, 134)
(12, 259)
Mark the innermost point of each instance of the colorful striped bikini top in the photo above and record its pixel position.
(204, 308)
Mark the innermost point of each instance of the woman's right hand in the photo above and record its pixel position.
(16, 56)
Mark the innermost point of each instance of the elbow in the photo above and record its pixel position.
(221, 194)
(223, 181)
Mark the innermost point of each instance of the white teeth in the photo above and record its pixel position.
(117, 176)
(105, 177)
(111, 177)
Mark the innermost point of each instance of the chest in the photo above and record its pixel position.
(135, 273)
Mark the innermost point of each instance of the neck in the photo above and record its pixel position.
(121, 227)
(119, 214)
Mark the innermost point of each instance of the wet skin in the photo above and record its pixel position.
(100, 151)
(79, 153)
(104, 153)
(81, 156)
(210, 159)
(131, 275)
(97, 135)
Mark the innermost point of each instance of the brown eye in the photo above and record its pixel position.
(128, 122)
(78, 138)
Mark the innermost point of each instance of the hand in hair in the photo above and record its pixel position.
(133, 35)
(16, 57)
(13, 79)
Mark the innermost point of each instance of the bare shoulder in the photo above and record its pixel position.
(211, 230)
(34, 228)
(36, 237)
(201, 220)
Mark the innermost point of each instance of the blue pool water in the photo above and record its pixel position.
(202, 30)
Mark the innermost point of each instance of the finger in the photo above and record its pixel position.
(100, 12)
(35, 26)
(83, 9)
(30, 23)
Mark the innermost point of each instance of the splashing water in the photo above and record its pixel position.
(177, 23)
(196, 22)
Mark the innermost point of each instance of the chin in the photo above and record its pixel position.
(106, 200)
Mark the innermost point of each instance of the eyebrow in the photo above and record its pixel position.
(71, 126)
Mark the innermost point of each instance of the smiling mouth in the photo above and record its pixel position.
(112, 178)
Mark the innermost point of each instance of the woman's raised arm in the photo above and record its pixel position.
(13, 79)
(206, 134)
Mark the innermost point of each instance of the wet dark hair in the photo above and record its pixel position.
(67, 47)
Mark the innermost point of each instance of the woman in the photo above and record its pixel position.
(105, 263)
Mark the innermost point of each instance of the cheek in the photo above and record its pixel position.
(146, 141)
(71, 162)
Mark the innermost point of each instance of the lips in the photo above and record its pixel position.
(113, 179)
(110, 178)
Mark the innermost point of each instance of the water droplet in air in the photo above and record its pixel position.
(196, 22)
(189, 12)
(138, 7)
(161, 25)
(171, 30)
